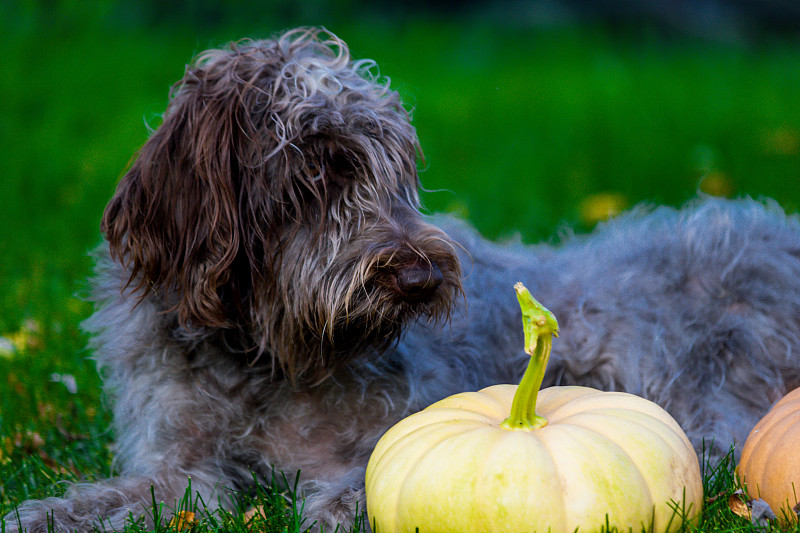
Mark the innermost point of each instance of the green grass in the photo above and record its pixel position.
(521, 131)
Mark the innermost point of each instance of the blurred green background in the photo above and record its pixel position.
(528, 120)
(535, 117)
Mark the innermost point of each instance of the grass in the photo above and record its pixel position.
(524, 131)
(275, 510)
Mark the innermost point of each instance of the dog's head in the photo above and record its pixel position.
(278, 200)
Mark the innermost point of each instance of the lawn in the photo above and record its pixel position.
(526, 131)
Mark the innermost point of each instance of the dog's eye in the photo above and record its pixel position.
(341, 165)
(313, 171)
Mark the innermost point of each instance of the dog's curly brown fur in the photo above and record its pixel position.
(270, 296)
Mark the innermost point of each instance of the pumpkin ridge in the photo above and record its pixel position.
(559, 478)
(581, 404)
(655, 427)
(472, 402)
(499, 438)
(758, 464)
(429, 417)
(471, 416)
(782, 448)
(637, 404)
(400, 444)
(561, 396)
(576, 435)
(775, 416)
(501, 395)
(431, 451)
(775, 431)
(645, 421)
(382, 466)
(615, 443)
(790, 397)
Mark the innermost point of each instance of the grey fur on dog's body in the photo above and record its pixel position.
(696, 309)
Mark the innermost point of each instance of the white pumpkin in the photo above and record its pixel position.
(582, 458)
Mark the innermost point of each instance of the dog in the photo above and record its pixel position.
(270, 298)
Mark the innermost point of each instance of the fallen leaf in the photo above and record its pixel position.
(601, 206)
(16, 385)
(6, 448)
(783, 140)
(738, 504)
(717, 184)
(47, 411)
(28, 337)
(36, 440)
(252, 513)
(716, 497)
(183, 520)
(460, 209)
(757, 511)
(30, 441)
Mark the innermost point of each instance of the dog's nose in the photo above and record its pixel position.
(418, 282)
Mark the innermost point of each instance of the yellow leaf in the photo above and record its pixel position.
(601, 206)
(716, 184)
(255, 517)
(29, 336)
(252, 512)
(6, 448)
(183, 520)
(783, 140)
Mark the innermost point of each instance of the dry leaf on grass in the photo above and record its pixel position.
(601, 206)
(255, 517)
(183, 521)
(757, 511)
(28, 337)
(252, 512)
(738, 504)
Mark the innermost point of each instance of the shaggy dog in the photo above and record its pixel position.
(270, 297)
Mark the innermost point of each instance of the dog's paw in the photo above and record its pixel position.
(339, 503)
(109, 506)
(40, 516)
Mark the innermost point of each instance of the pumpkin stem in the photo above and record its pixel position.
(540, 326)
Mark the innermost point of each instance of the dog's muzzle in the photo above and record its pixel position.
(418, 282)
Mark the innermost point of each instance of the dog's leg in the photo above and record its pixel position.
(335, 502)
(111, 504)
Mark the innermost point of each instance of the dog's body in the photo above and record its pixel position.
(271, 298)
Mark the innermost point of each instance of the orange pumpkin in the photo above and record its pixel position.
(770, 463)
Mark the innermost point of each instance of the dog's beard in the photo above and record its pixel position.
(375, 322)
(352, 308)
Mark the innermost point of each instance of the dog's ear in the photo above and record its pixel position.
(174, 219)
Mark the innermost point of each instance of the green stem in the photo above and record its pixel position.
(539, 326)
